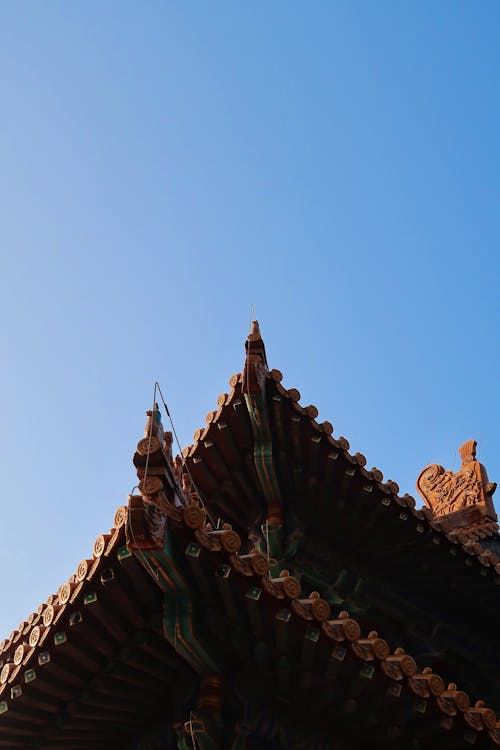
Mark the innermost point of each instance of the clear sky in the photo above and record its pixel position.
(166, 165)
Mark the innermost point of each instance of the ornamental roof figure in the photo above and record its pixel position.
(461, 499)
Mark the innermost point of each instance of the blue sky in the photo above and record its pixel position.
(166, 165)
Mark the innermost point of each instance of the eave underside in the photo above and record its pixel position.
(94, 668)
(362, 545)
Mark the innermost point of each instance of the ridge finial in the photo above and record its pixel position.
(254, 331)
(462, 498)
(255, 368)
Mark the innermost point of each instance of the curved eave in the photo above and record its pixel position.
(330, 653)
(91, 665)
(334, 495)
(93, 636)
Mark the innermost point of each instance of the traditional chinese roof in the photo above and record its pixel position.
(332, 655)
(332, 499)
(335, 506)
(90, 667)
(52, 703)
(218, 605)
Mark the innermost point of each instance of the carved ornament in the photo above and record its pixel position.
(467, 493)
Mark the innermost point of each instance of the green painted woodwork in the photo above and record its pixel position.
(263, 451)
(123, 552)
(254, 593)
(367, 671)
(178, 617)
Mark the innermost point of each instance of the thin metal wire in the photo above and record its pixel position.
(157, 387)
(193, 740)
(149, 441)
(177, 489)
(183, 460)
(145, 560)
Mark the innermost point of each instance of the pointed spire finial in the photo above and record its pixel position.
(254, 331)
(255, 369)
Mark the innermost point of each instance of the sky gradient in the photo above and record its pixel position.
(166, 165)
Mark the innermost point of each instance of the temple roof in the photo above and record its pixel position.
(73, 668)
(90, 664)
(323, 481)
(97, 660)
